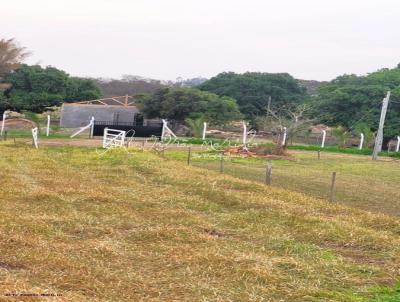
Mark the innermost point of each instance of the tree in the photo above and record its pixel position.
(349, 100)
(252, 90)
(34, 88)
(181, 103)
(366, 131)
(293, 118)
(11, 55)
(341, 134)
(196, 126)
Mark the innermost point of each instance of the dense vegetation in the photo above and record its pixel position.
(252, 90)
(351, 100)
(181, 103)
(34, 88)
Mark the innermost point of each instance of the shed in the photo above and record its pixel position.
(118, 112)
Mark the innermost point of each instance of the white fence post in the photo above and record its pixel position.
(204, 130)
(35, 137)
(398, 144)
(361, 141)
(244, 140)
(48, 126)
(163, 129)
(3, 122)
(105, 136)
(323, 138)
(92, 127)
(284, 136)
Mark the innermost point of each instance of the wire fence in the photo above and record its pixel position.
(357, 182)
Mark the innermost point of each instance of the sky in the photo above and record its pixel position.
(166, 39)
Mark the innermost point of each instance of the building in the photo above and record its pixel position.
(116, 112)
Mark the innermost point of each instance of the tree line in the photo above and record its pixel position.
(348, 102)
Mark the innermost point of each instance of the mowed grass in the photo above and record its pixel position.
(131, 226)
(360, 182)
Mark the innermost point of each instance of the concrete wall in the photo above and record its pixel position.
(78, 115)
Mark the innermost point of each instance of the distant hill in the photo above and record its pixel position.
(130, 84)
(310, 85)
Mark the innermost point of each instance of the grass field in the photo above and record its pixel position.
(360, 182)
(131, 226)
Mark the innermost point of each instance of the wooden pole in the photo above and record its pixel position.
(5, 135)
(189, 155)
(268, 169)
(332, 191)
(143, 142)
(319, 154)
(221, 163)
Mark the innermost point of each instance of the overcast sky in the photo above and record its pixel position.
(310, 39)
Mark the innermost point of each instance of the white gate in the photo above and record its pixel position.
(113, 138)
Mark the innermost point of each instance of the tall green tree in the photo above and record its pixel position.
(181, 103)
(252, 90)
(350, 100)
(34, 88)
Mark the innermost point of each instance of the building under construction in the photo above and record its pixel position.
(115, 112)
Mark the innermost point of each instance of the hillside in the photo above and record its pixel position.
(130, 226)
(135, 84)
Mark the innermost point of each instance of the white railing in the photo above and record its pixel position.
(89, 126)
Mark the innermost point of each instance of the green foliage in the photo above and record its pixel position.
(350, 99)
(182, 103)
(341, 135)
(34, 88)
(252, 90)
(196, 126)
(368, 134)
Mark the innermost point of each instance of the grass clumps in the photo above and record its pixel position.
(131, 226)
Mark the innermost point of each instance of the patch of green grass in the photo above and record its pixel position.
(335, 149)
(28, 134)
(386, 294)
(360, 182)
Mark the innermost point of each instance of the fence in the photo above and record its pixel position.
(357, 181)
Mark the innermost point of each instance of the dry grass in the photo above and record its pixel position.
(134, 227)
(361, 182)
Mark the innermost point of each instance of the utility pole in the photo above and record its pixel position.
(379, 135)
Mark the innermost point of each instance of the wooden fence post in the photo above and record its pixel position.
(332, 191)
(221, 163)
(189, 155)
(268, 169)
